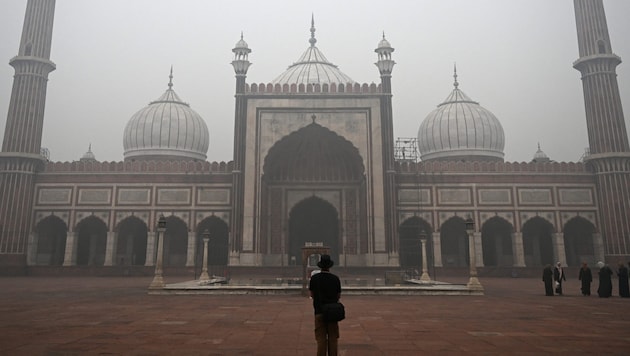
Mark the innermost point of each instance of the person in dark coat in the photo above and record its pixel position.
(622, 274)
(586, 277)
(547, 277)
(605, 280)
(325, 288)
(558, 276)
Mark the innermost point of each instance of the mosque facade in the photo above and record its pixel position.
(314, 165)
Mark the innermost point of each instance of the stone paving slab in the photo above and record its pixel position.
(116, 316)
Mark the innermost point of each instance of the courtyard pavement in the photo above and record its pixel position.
(115, 316)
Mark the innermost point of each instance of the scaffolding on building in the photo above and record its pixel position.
(406, 149)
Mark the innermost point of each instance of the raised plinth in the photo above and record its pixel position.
(414, 288)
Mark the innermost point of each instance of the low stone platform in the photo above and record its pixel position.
(355, 287)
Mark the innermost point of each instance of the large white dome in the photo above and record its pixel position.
(166, 129)
(460, 129)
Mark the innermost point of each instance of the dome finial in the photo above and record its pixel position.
(313, 40)
(455, 83)
(170, 79)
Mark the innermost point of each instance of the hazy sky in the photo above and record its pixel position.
(113, 57)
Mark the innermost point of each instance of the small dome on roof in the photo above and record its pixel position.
(88, 156)
(540, 156)
(461, 129)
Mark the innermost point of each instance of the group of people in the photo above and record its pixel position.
(557, 276)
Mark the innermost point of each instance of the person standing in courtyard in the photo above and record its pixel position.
(586, 277)
(547, 277)
(325, 288)
(605, 280)
(558, 276)
(622, 274)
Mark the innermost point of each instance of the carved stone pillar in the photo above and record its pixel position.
(150, 258)
(518, 251)
(437, 249)
(558, 248)
(192, 248)
(110, 249)
(478, 249)
(70, 258)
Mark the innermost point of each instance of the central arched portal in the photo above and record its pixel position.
(313, 190)
(313, 220)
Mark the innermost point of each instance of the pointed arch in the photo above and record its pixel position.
(496, 242)
(175, 242)
(579, 241)
(92, 241)
(454, 243)
(131, 244)
(313, 153)
(410, 246)
(538, 242)
(313, 220)
(218, 244)
(51, 233)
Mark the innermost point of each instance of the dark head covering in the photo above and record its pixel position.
(325, 262)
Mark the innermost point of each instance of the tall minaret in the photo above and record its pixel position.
(385, 66)
(20, 158)
(241, 64)
(607, 135)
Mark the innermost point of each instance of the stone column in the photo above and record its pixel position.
(150, 258)
(478, 249)
(558, 248)
(192, 248)
(158, 280)
(204, 269)
(70, 258)
(31, 249)
(598, 247)
(437, 249)
(110, 249)
(473, 281)
(518, 253)
(425, 271)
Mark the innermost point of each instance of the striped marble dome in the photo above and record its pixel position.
(166, 129)
(312, 68)
(460, 129)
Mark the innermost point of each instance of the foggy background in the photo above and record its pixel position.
(113, 57)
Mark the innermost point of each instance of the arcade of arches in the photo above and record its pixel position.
(497, 243)
(313, 220)
(130, 244)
